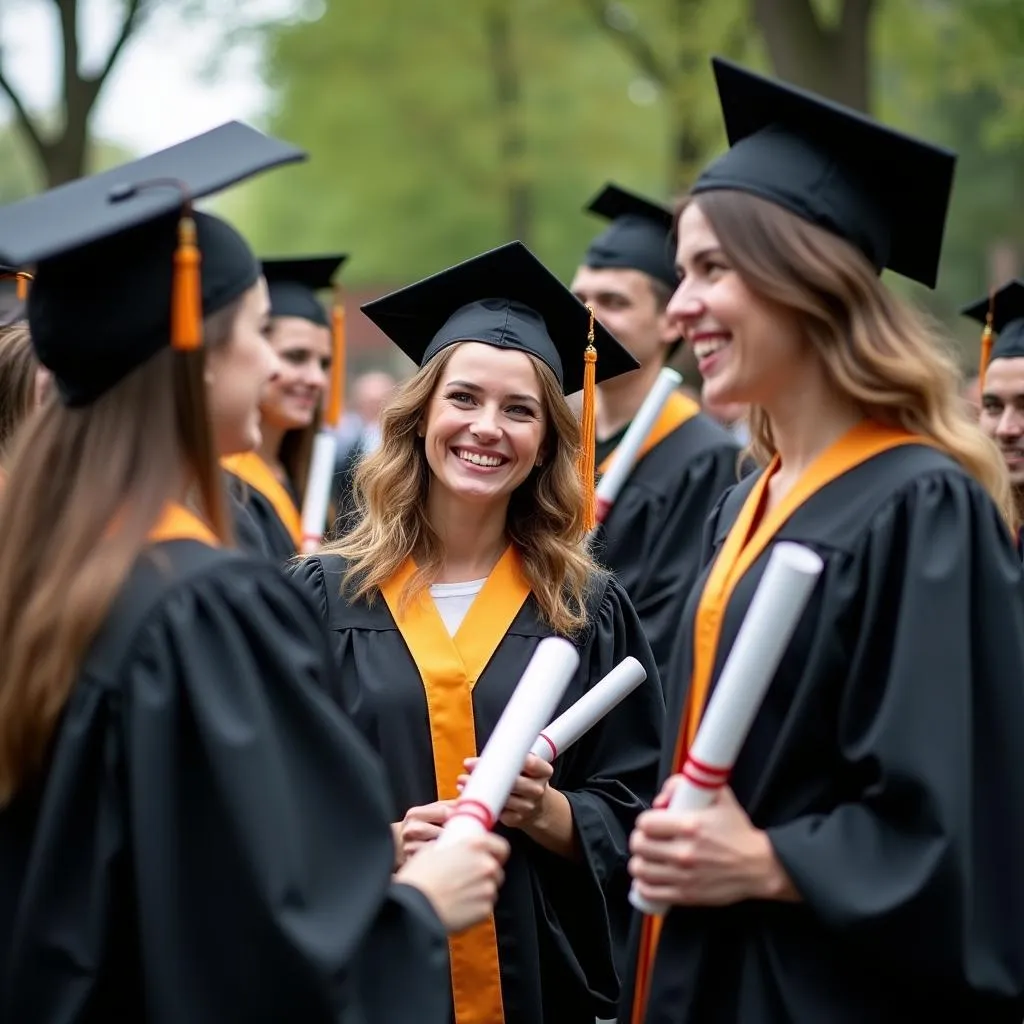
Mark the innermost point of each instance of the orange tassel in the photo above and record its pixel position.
(21, 280)
(336, 397)
(986, 351)
(986, 338)
(588, 430)
(186, 290)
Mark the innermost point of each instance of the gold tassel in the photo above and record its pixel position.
(21, 280)
(336, 396)
(186, 289)
(588, 430)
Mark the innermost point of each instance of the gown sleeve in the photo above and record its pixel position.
(248, 819)
(922, 865)
(609, 776)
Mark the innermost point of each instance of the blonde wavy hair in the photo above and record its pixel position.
(876, 348)
(545, 513)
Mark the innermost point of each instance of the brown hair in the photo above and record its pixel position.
(876, 348)
(18, 366)
(545, 514)
(119, 460)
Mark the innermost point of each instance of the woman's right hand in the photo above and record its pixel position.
(421, 825)
(461, 880)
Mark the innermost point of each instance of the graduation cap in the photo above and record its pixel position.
(117, 257)
(638, 238)
(882, 191)
(293, 283)
(1002, 314)
(507, 298)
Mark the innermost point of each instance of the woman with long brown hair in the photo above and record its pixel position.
(275, 474)
(866, 862)
(467, 552)
(188, 829)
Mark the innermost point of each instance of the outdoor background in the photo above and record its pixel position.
(440, 128)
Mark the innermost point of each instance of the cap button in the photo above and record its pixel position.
(121, 192)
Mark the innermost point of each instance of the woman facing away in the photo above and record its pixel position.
(189, 831)
(468, 552)
(866, 862)
(275, 474)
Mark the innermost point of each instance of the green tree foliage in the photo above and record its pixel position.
(403, 109)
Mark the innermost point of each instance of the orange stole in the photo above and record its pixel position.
(259, 476)
(745, 543)
(675, 412)
(449, 668)
(177, 523)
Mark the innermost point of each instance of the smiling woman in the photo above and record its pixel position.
(275, 467)
(469, 552)
(865, 862)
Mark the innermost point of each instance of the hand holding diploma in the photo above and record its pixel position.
(488, 787)
(526, 801)
(771, 619)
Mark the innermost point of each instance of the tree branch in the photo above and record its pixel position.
(21, 115)
(635, 45)
(128, 26)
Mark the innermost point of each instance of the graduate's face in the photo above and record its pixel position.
(485, 424)
(304, 351)
(238, 374)
(1002, 413)
(746, 348)
(625, 302)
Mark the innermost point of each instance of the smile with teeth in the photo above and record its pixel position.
(480, 460)
(709, 346)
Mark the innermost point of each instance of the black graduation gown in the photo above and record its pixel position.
(211, 840)
(651, 539)
(884, 765)
(561, 926)
(261, 530)
(250, 537)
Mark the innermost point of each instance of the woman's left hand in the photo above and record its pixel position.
(712, 857)
(527, 801)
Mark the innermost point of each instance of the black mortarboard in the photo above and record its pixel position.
(105, 248)
(505, 297)
(293, 284)
(882, 191)
(1007, 309)
(638, 238)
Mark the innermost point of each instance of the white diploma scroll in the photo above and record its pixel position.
(625, 454)
(569, 726)
(318, 490)
(774, 612)
(501, 761)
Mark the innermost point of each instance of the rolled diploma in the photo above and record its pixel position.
(535, 698)
(625, 454)
(774, 612)
(572, 723)
(318, 490)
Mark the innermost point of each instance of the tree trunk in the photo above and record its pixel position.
(835, 62)
(512, 146)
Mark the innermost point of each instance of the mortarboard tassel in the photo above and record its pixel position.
(588, 430)
(21, 280)
(336, 396)
(186, 290)
(986, 338)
